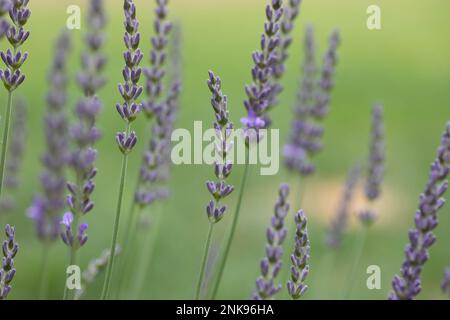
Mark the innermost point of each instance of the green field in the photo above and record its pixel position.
(405, 65)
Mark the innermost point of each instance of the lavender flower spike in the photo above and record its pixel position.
(262, 93)
(219, 189)
(376, 164)
(339, 224)
(7, 271)
(5, 5)
(271, 264)
(300, 258)
(408, 285)
(15, 157)
(48, 207)
(445, 285)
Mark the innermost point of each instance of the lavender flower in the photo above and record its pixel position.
(48, 206)
(445, 285)
(300, 258)
(219, 190)
(130, 90)
(16, 150)
(7, 271)
(291, 11)
(12, 76)
(93, 61)
(271, 264)
(376, 164)
(262, 93)
(339, 224)
(408, 285)
(5, 5)
(71, 240)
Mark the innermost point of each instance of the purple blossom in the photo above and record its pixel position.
(305, 139)
(271, 264)
(445, 285)
(130, 90)
(300, 257)
(67, 235)
(262, 93)
(408, 285)
(12, 76)
(48, 206)
(5, 5)
(339, 224)
(15, 156)
(7, 271)
(219, 189)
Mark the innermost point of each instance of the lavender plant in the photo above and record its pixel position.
(376, 164)
(7, 270)
(48, 207)
(12, 76)
(15, 157)
(407, 285)
(305, 140)
(5, 5)
(271, 264)
(445, 285)
(300, 257)
(219, 189)
(339, 224)
(130, 91)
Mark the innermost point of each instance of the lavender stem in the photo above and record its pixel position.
(230, 236)
(106, 285)
(360, 244)
(204, 260)
(5, 140)
(43, 286)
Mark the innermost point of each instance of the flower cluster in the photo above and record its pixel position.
(7, 271)
(12, 76)
(339, 224)
(5, 5)
(16, 150)
(408, 285)
(376, 164)
(271, 264)
(130, 90)
(93, 61)
(262, 93)
(222, 167)
(300, 257)
(48, 207)
(445, 285)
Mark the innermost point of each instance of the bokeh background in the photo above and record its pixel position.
(405, 66)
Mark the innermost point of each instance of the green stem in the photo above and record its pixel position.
(359, 250)
(109, 270)
(43, 286)
(204, 261)
(230, 237)
(5, 140)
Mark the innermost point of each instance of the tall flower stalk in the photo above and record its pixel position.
(407, 285)
(7, 271)
(15, 157)
(219, 189)
(271, 264)
(130, 91)
(12, 75)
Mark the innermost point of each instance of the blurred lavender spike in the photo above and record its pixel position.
(93, 61)
(339, 224)
(271, 264)
(445, 285)
(291, 12)
(300, 257)
(47, 208)
(262, 93)
(7, 270)
(408, 285)
(15, 157)
(5, 5)
(376, 164)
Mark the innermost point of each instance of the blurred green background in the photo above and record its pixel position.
(405, 65)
